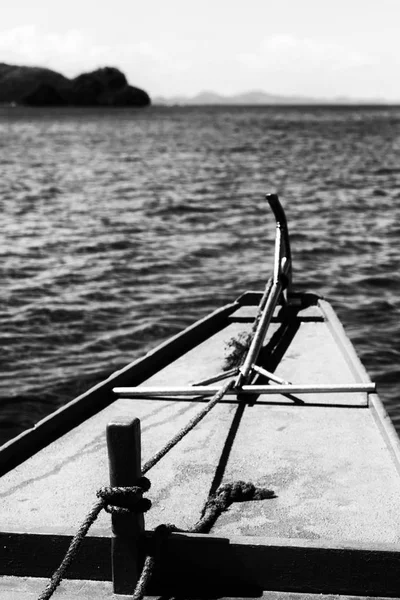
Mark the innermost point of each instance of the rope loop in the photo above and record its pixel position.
(123, 500)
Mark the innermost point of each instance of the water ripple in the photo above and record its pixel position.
(120, 228)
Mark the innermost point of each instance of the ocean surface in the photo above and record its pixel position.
(120, 227)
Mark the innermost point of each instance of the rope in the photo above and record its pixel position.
(123, 499)
(262, 304)
(72, 550)
(160, 534)
(190, 425)
(145, 576)
(240, 344)
(126, 499)
(225, 495)
(114, 499)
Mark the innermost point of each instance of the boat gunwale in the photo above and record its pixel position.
(340, 336)
(374, 403)
(27, 555)
(96, 398)
(101, 395)
(244, 549)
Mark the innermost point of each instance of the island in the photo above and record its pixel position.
(39, 86)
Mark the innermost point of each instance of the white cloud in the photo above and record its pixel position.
(26, 44)
(161, 66)
(305, 54)
(168, 65)
(71, 51)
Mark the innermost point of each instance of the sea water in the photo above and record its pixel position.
(121, 227)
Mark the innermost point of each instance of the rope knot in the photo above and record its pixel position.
(242, 491)
(126, 499)
(227, 494)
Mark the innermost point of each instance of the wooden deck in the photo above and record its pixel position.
(331, 459)
(29, 589)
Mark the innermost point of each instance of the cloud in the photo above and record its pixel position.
(145, 63)
(162, 66)
(27, 45)
(71, 51)
(168, 65)
(306, 54)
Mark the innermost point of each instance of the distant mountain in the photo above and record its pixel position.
(256, 97)
(37, 86)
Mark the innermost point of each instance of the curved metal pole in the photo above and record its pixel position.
(282, 276)
(282, 243)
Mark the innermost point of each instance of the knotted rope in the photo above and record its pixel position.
(111, 499)
(226, 494)
(126, 499)
(122, 499)
(129, 499)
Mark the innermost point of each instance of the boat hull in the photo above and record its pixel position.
(331, 459)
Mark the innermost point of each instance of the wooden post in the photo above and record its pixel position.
(124, 455)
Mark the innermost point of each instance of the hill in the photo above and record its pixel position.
(38, 86)
(255, 98)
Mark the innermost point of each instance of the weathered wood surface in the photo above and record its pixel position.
(39, 555)
(310, 356)
(125, 461)
(247, 314)
(386, 428)
(54, 488)
(197, 565)
(16, 588)
(251, 389)
(334, 476)
(248, 566)
(317, 459)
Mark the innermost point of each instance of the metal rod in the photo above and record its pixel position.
(278, 254)
(247, 389)
(271, 376)
(264, 298)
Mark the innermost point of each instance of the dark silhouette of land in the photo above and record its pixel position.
(38, 86)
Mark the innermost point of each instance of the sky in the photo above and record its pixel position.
(313, 48)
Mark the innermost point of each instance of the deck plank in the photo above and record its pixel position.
(68, 473)
(28, 588)
(52, 491)
(332, 473)
(206, 360)
(248, 313)
(314, 357)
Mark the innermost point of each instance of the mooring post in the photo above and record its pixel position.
(124, 455)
